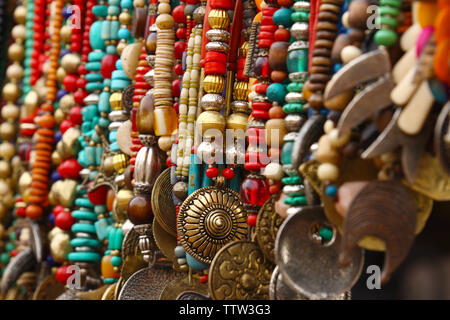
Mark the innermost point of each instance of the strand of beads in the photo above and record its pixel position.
(255, 188)
(389, 11)
(10, 113)
(38, 196)
(38, 45)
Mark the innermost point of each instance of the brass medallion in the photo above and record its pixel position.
(267, 226)
(48, 289)
(162, 203)
(147, 284)
(431, 179)
(210, 218)
(179, 285)
(192, 295)
(165, 242)
(240, 271)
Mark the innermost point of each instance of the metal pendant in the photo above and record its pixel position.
(240, 271)
(109, 292)
(381, 209)
(162, 203)
(165, 242)
(279, 290)
(210, 218)
(147, 284)
(308, 265)
(191, 295)
(180, 285)
(23, 262)
(48, 289)
(442, 138)
(267, 226)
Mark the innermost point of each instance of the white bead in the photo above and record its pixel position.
(273, 171)
(328, 172)
(349, 53)
(328, 126)
(338, 141)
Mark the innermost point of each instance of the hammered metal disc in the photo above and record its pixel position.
(191, 295)
(309, 267)
(162, 203)
(147, 284)
(165, 242)
(210, 218)
(177, 286)
(279, 290)
(127, 98)
(240, 271)
(48, 289)
(267, 226)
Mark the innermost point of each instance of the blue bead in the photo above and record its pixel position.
(124, 33)
(51, 219)
(114, 147)
(337, 67)
(331, 190)
(195, 264)
(126, 4)
(55, 176)
(58, 136)
(61, 93)
(64, 52)
(276, 92)
(67, 12)
(119, 64)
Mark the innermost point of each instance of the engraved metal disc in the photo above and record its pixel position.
(147, 284)
(191, 295)
(279, 290)
(210, 218)
(310, 267)
(162, 203)
(127, 98)
(165, 242)
(240, 272)
(267, 226)
(179, 285)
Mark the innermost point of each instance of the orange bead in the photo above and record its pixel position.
(47, 121)
(276, 113)
(441, 61)
(426, 13)
(108, 269)
(34, 211)
(110, 196)
(442, 30)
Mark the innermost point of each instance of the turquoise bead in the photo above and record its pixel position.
(111, 49)
(194, 175)
(283, 17)
(119, 63)
(276, 92)
(100, 10)
(114, 2)
(110, 280)
(124, 34)
(89, 112)
(101, 227)
(326, 233)
(93, 66)
(113, 10)
(4, 258)
(118, 84)
(96, 56)
(85, 242)
(95, 38)
(195, 264)
(82, 159)
(115, 26)
(118, 239)
(93, 77)
(98, 155)
(331, 190)
(116, 261)
(83, 202)
(99, 209)
(286, 152)
(10, 246)
(83, 227)
(112, 135)
(89, 155)
(85, 127)
(94, 86)
(103, 103)
(106, 29)
(295, 87)
(114, 147)
(297, 60)
(119, 74)
(127, 4)
(84, 215)
(84, 256)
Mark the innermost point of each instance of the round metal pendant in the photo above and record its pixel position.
(162, 203)
(279, 290)
(177, 286)
(240, 272)
(165, 242)
(191, 295)
(267, 226)
(309, 266)
(127, 98)
(210, 218)
(147, 284)
(48, 289)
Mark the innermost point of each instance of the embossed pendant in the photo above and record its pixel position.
(310, 266)
(162, 203)
(240, 272)
(210, 218)
(181, 285)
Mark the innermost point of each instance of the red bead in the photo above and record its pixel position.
(108, 65)
(181, 33)
(268, 11)
(215, 68)
(169, 162)
(97, 196)
(179, 69)
(176, 87)
(58, 209)
(64, 220)
(212, 172)
(264, 106)
(176, 107)
(20, 212)
(259, 114)
(82, 70)
(265, 43)
(178, 14)
(255, 191)
(180, 47)
(266, 20)
(262, 67)
(222, 4)
(261, 88)
(213, 56)
(81, 83)
(65, 124)
(75, 115)
(270, 28)
(203, 278)
(14, 252)
(70, 82)
(282, 34)
(70, 169)
(79, 96)
(265, 35)
(275, 188)
(251, 219)
(228, 173)
(63, 273)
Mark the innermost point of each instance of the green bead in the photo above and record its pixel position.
(85, 242)
(295, 201)
(389, 11)
(385, 37)
(94, 86)
(326, 234)
(391, 3)
(109, 280)
(300, 16)
(295, 87)
(4, 258)
(292, 180)
(387, 21)
(83, 227)
(297, 61)
(116, 261)
(84, 215)
(286, 152)
(12, 236)
(10, 246)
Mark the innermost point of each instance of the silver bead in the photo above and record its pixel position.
(117, 115)
(217, 46)
(301, 6)
(291, 136)
(294, 97)
(92, 98)
(292, 189)
(300, 30)
(212, 101)
(218, 35)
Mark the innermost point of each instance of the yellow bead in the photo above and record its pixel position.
(165, 21)
(14, 72)
(66, 32)
(70, 62)
(5, 169)
(214, 84)
(10, 112)
(115, 101)
(165, 121)
(7, 131)
(240, 91)
(125, 18)
(20, 14)
(218, 19)
(211, 123)
(11, 91)
(237, 121)
(16, 52)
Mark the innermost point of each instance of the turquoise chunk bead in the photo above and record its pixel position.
(118, 84)
(128, 4)
(101, 227)
(85, 242)
(84, 256)
(99, 209)
(124, 34)
(276, 92)
(100, 10)
(83, 202)
(93, 77)
(297, 60)
(282, 17)
(295, 87)
(286, 152)
(195, 264)
(119, 74)
(84, 215)
(116, 261)
(114, 147)
(96, 56)
(83, 227)
(94, 86)
(95, 36)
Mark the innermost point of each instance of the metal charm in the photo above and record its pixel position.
(267, 226)
(180, 285)
(309, 266)
(23, 262)
(48, 289)
(191, 295)
(210, 218)
(381, 209)
(240, 271)
(162, 203)
(442, 138)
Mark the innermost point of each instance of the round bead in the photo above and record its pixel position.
(140, 210)
(328, 172)
(273, 171)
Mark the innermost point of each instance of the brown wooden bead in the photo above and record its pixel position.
(140, 210)
(328, 16)
(341, 41)
(320, 69)
(321, 61)
(330, 7)
(276, 112)
(316, 100)
(319, 78)
(277, 55)
(325, 25)
(357, 14)
(323, 52)
(324, 34)
(323, 43)
(278, 76)
(355, 35)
